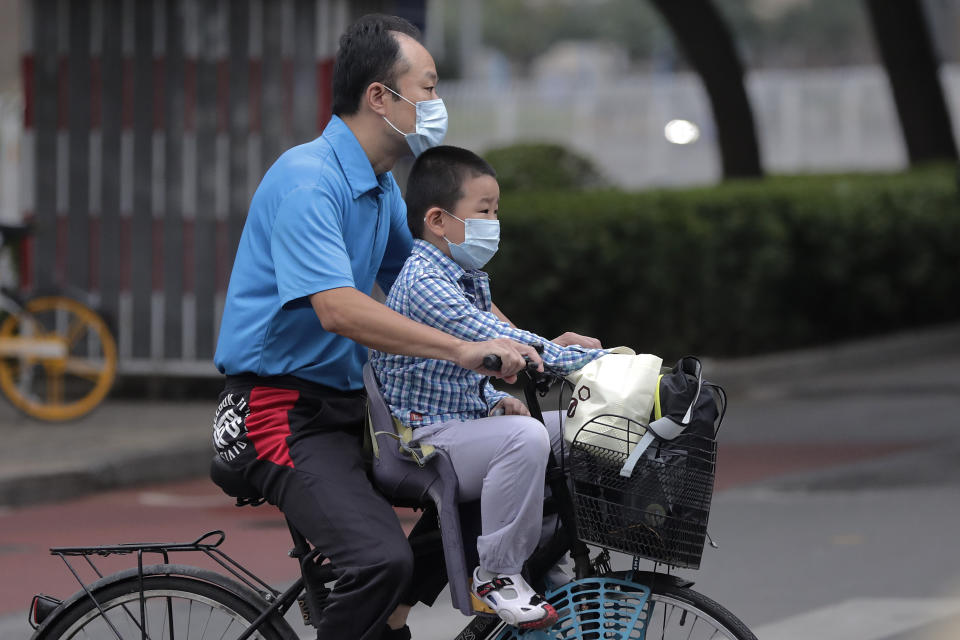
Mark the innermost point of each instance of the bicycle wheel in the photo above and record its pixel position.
(174, 607)
(612, 608)
(68, 381)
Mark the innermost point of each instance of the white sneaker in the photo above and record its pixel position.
(514, 601)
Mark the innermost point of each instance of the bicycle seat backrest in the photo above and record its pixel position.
(233, 483)
(406, 483)
(400, 478)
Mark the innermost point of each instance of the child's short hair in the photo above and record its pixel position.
(436, 180)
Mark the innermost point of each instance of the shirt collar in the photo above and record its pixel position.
(439, 259)
(353, 159)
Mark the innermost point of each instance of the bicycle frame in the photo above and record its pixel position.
(273, 604)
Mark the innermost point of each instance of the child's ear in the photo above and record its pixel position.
(433, 221)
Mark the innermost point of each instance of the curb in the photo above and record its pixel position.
(57, 485)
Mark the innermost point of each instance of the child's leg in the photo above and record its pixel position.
(502, 461)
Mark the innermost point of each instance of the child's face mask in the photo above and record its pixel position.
(481, 239)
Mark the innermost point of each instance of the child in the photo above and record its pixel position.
(499, 452)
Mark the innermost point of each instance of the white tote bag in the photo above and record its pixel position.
(612, 389)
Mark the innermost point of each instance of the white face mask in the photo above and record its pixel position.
(431, 124)
(481, 239)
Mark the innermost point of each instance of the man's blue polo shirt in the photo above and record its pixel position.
(320, 219)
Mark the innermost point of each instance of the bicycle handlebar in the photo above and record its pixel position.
(493, 362)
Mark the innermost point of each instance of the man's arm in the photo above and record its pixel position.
(437, 302)
(352, 314)
(310, 255)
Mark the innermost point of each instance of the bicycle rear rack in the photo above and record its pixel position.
(207, 544)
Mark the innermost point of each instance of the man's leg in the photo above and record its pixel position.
(329, 498)
(304, 455)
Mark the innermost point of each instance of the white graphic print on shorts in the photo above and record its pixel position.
(229, 428)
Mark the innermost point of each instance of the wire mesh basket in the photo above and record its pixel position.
(660, 511)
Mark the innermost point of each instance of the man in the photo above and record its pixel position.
(326, 222)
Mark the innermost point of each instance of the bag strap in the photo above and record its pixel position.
(665, 427)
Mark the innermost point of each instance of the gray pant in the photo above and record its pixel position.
(502, 461)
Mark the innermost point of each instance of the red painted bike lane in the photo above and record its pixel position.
(258, 537)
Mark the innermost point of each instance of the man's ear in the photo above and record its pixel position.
(375, 96)
(433, 221)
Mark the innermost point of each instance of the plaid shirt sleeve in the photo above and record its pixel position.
(492, 395)
(437, 302)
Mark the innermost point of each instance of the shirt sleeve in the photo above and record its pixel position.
(436, 302)
(492, 396)
(307, 246)
(399, 244)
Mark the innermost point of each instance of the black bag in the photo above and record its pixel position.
(685, 399)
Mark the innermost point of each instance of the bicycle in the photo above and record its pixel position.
(58, 358)
(173, 600)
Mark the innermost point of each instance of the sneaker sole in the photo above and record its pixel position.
(548, 620)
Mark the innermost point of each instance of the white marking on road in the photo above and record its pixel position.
(861, 618)
(158, 499)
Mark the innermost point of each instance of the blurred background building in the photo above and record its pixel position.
(133, 133)
(606, 78)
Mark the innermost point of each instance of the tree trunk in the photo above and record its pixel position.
(904, 41)
(705, 38)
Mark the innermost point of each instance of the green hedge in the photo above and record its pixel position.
(736, 269)
(544, 166)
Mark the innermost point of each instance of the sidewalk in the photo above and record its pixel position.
(128, 442)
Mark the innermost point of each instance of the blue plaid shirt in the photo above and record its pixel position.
(434, 290)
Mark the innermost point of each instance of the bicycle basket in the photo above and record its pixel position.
(660, 512)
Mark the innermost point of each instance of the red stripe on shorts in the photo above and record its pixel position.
(268, 425)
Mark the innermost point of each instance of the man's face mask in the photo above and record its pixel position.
(481, 239)
(431, 124)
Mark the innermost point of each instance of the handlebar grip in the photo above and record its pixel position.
(492, 362)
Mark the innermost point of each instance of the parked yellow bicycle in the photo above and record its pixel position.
(58, 358)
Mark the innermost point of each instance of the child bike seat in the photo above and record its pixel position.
(406, 483)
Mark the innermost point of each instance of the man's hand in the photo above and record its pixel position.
(511, 354)
(569, 339)
(511, 407)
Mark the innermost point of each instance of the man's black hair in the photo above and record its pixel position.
(436, 180)
(368, 52)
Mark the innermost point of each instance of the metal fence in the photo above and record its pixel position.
(147, 126)
(11, 131)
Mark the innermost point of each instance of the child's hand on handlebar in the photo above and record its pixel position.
(513, 357)
(510, 407)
